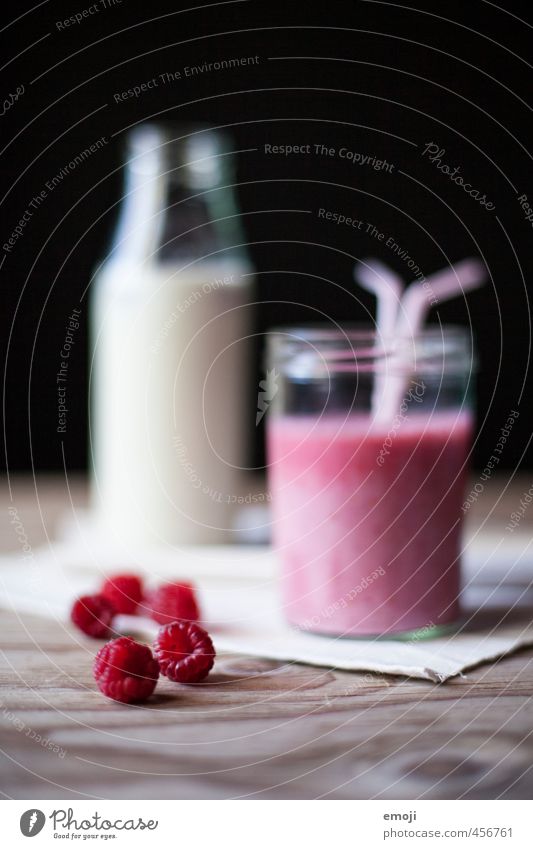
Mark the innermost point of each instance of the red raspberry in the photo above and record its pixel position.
(184, 651)
(126, 671)
(173, 601)
(93, 615)
(124, 592)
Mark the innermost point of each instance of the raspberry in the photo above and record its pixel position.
(173, 601)
(126, 671)
(124, 592)
(184, 651)
(93, 615)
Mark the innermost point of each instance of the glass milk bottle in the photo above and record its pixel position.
(171, 319)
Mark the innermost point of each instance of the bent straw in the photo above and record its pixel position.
(409, 316)
(415, 304)
(387, 286)
(419, 297)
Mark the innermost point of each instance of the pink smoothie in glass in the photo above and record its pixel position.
(369, 541)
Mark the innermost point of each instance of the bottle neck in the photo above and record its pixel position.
(179, 202)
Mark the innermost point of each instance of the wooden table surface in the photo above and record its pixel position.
(257, 728)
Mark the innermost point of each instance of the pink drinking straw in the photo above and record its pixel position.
(419, 297)
(374, 276)
(400, 320)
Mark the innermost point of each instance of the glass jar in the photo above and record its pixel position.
(368, 444)
(171, 324)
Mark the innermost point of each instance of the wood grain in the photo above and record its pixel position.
(256, 728)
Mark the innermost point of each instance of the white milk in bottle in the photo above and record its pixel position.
(171, 325)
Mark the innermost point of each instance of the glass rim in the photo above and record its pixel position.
(306, 351)
(365, 332)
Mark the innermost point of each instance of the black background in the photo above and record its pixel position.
(379, 78)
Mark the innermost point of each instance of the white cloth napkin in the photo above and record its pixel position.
(238, 595)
